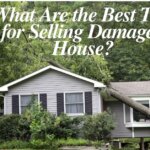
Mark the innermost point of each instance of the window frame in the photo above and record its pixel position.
(27, 94)
(132, 111)
(74, 114)
(133, 123)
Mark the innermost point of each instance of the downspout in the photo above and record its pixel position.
(4, 103)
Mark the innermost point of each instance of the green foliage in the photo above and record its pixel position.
(15, 144)
(9, 127)
(34, 144)
(74, 142)
(66, 126)
(48, 143)
(98, 127)
(127, 60)
(22, 56)
(24, 128)
(38, 120)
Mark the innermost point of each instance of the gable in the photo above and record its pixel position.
(95, 83)
(50, 80)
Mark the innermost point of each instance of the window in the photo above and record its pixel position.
(138, 116)
(26, 100)
(74, 103)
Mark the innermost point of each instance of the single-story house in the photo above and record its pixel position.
(60, 90)
(57, 89)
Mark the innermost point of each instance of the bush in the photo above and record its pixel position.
(98, 127)
(9, 127)
(37, 121)
(48, 143)
(66, 126)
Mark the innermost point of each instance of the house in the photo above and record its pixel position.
(130, 122)
(59, 91)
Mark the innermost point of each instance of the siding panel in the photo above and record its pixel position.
(120, 129)
(142, 132)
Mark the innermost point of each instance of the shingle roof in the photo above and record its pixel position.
(132, 88)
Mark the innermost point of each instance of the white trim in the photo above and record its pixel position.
(124, 112)
(133, 123)
(20, 104)
(133, 132)
(100, 101)
(28, 94)
(143, 98)
(74, 114)
(131, 115)
(137, 124)
(96, 83)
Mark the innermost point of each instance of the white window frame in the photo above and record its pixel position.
(27, 94)
(133, 123)
(74, 114)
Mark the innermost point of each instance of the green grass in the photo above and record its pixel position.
(78, 142)
(18, 144)
(73, 142)
(15, 144)
(133, 140)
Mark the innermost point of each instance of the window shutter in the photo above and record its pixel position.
(15, 104)
(88, 103)
(60, 103)
(43, 100)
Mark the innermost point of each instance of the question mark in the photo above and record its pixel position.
(110, 45)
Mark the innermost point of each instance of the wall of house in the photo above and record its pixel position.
(52, 82)
(142, 132)
(120, 130)
(117, 110)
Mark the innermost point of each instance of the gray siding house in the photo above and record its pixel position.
(59, 91)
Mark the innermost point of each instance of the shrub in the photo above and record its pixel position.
(37, 120)
(24, 128)
(98, 127)
(9, 127)
(48, 143)
(66, 126)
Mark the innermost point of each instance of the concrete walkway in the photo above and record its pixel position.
(78, 148)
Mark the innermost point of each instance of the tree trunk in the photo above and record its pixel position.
(142, 144)
(125, 99)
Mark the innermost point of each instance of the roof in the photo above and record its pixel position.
(134, 88)
(96, 83)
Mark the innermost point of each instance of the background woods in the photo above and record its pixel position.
(126, 61)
